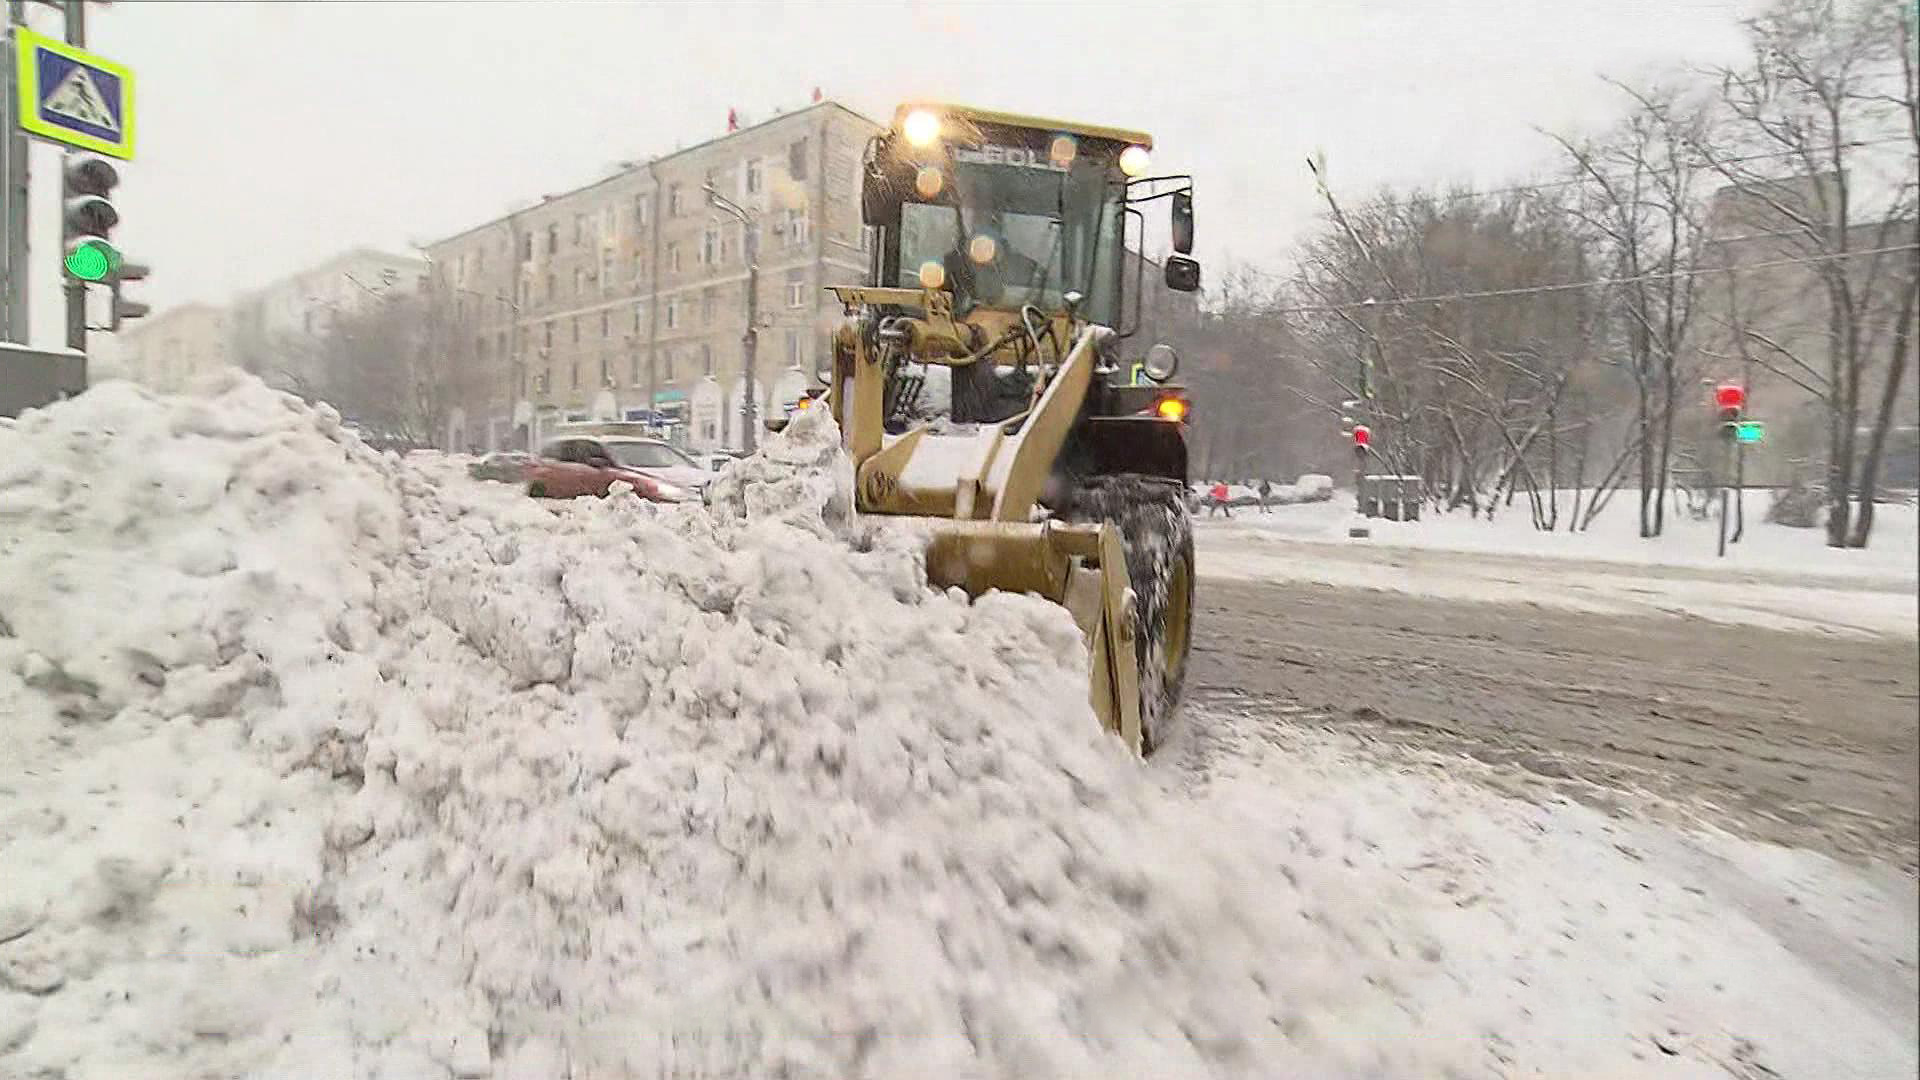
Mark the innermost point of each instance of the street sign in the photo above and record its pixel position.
(71, 96)
(1749, 431)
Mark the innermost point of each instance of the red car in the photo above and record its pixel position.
(571, 467)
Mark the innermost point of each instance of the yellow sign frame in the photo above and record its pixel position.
(27, 44)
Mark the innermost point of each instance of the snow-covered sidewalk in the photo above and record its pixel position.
(1776, 577)
(319, 762)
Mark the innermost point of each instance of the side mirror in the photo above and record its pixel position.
(600, 461)
(1182, 220)
(1183, 274)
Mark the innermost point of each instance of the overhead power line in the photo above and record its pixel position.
(1552, 185)
(1528, 290)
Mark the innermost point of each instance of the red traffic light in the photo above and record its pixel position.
(1362, 436)
(1730, 396)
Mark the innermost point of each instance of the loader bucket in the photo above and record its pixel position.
(1080, 566)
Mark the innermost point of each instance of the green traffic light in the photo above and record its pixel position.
(92, 260)
(1749, 431)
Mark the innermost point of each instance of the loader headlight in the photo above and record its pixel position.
(1134, 161)
(932, 275)
(928, 182)
(1160, 363)
(921, 127)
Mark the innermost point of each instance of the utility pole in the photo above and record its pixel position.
(750, 246)
(13, 153)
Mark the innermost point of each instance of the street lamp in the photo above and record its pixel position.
(750, 247)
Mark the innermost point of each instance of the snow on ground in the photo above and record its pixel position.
(324, 762)
(1775, 577)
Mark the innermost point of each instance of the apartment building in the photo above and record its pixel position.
(1763, 321)
(269, 325)
(167, 350)
(626, 298)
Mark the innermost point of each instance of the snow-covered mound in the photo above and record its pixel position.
(316, 767)
(317, 762)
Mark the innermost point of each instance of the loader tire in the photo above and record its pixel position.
(1156, 530)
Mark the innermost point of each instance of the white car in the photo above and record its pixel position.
(652, 457)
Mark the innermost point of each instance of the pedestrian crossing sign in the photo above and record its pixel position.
(71, 96)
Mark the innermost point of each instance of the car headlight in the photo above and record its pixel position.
(669, 493)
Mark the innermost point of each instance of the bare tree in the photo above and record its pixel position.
(1639, 195)
(1825, 84)
(393, 365)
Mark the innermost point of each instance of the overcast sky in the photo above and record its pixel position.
(274, 134)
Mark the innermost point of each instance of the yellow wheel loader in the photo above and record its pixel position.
(985, 383)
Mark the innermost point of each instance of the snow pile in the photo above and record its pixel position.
(320, 762)
(316, 766)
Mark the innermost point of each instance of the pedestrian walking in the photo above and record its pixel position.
(1266, 492)
(1220, 497)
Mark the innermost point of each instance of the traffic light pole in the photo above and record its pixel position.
(76, 289)
(13, 151)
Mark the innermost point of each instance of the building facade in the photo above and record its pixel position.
(1762, 320)
(271, 326)
(627, 298)
(168, 350)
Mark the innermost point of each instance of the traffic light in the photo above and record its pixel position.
(122, 307)
(87, 217)
(1362, 437)
(1730, 399)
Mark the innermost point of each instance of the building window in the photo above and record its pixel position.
(579, 229)
(706, 359)
(636, 368)
(526, 247)
(638, 311)
(546, 380)
(576, 329)
(796, 290)
(753, 175)
(606, 370)
(640, 212)
(793, 348)
(797, 160)
(579, 282)
(639, 267)
(796, 227)
(480, 261)
(606, 324)
(574, 375)
(549, 333)
(606, 271)
(726, 245)
(707, 299)
(607, 223)
(673, 314)
(673, 200)
(552, 289)
(710, 246)
(673, 258)
(668, 357)
(553, 239)
(520, 380)
(480, 348)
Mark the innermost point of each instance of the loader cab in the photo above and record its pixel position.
(1006, 211)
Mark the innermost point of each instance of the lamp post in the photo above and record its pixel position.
(750, 247)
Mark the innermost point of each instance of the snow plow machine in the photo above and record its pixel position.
(1000, 281)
